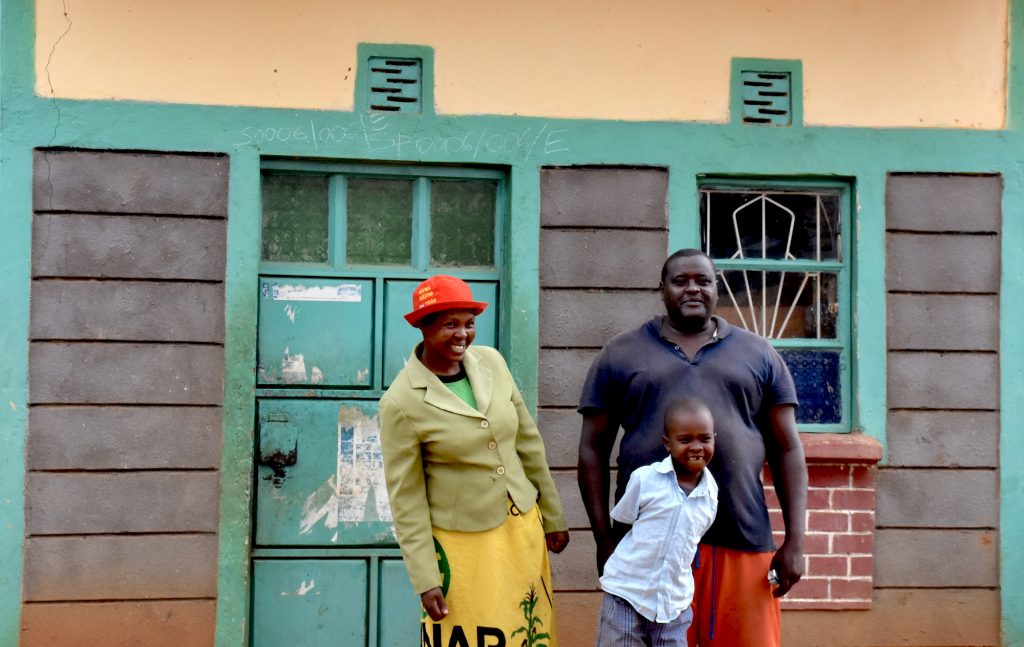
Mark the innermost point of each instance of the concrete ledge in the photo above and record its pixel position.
(841, 448)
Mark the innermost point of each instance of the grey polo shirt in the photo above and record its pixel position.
(738, 375)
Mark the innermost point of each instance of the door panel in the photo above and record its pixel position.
(316, 332)
(399, 607)
(314, 603)
(321, 477)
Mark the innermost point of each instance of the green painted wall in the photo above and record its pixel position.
(522, 145)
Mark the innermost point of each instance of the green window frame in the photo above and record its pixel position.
(795, 275)
(739, 93)
(425, 183)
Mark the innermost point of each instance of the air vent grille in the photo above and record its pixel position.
(395, 84)
(767, 98)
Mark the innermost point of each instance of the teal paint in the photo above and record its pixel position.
(1011, 380)
(868, 347)
(17, 40)
(15, 264)
(240, 297)
(520, 331)
(794, 103)
(364, 76)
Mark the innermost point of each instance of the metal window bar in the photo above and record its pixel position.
(761, 327)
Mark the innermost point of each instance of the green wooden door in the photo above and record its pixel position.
(343, 247)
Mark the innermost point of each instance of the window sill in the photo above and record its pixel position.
(841, 448)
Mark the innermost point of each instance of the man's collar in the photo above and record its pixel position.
(721, 331)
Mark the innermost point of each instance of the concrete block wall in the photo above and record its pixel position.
(938, 496)
(936, 574)
(125, 389)
(604, 236)
(915, 539)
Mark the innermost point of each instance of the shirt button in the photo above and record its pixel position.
(485, 424)
(492, 445)
(501, 470)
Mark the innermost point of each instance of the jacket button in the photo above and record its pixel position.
(492, 445)
(501, 469)
(485, 424)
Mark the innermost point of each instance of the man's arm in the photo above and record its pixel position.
(597, 437)
(789, 474)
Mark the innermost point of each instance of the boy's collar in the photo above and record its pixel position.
(664, 466)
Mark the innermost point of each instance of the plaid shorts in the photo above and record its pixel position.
(621, 626)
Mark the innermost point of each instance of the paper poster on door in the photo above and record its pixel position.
(356, 492)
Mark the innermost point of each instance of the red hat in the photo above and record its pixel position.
(442, 292)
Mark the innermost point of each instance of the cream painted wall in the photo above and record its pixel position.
(932, 63)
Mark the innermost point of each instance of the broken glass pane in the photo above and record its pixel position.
(771, 224)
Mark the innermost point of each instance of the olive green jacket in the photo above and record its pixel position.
(454, 467)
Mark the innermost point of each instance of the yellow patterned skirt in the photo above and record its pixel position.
(497, 585)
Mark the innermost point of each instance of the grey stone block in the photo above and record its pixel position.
(115, 373)
(132, 567)
(943, 439)
(575, 568)
(156, 623)
(114, 503)
(943, 322)
(98, 438)
(937, 498)
(604, 197)
(561, 431)
(587, 318)
(560, 376)
(128, 311)
(572, 501)
(89, 246)
(936, 558)
(934, 617)
(602, 258)
(943, 380)
(942, 263)
(944, 202)
(119, 182)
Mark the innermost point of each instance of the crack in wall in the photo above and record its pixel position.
(53, 99)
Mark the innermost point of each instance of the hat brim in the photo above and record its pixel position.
(414, 317)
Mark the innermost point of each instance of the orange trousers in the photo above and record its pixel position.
(732, 602)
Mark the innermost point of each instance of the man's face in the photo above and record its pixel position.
(689, 290)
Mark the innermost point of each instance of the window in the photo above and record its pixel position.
(783, 269)
(351, 216)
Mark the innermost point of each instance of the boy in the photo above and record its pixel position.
(665, 510)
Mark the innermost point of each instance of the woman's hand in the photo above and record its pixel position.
(557, 540)
(433, 604)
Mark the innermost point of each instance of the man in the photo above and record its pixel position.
(745, 383)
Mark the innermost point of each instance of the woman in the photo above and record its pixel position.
(474, 505)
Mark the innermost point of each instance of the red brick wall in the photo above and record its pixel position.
(840, 541)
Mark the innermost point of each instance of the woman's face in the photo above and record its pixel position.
(446, 336)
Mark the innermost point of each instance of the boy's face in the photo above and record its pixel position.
(690, 440)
